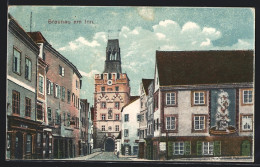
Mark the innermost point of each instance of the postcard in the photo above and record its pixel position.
(94, 83)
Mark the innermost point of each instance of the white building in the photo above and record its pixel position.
(130, 124)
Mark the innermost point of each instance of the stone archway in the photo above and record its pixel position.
(109, 145)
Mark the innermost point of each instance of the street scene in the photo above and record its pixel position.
(130, 84)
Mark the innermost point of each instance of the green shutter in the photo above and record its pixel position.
(199, 148)
(170, 149)
(217, 148)
(187, 148)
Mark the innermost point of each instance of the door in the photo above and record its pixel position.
(19, 146)
(246, 148)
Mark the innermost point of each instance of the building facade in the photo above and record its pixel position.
(62, 86)
(130, 134)
(112, 92)
(84, 117)
(23, 126)
(203, 104)
(143, 117)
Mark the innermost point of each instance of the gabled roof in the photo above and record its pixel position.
(37, 37)
(132, 99)
(146, 83)
(204, 67)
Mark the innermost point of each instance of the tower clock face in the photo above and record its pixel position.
(109, 82)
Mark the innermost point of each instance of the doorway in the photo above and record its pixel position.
(19, 146)
(109, 145)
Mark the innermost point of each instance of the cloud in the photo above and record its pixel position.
(138, 46)
(146, 13)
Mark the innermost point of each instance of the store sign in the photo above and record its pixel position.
(162, 146)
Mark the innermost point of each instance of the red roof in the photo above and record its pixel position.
(204, 67)
(37, 37)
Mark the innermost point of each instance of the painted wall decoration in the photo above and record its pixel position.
(223, 109)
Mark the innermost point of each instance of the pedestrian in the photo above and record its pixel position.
(117, 154)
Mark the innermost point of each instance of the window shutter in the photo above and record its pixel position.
(170, 149)
(187, 148)
(217, 148)
(199, 148)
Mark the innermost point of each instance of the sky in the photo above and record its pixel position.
(141, 31)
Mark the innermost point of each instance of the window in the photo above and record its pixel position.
(126, 117)
(49, 87)
(117, 117)
(68, 96)
(103, 89)
(27, 107)
(117, 128)
(28, 143)
(101, 76)
(199, 122)
(178, 148)
(156, 100)
(199, 98)
(68, 119)
(57, 91)
(103, 104)
(171, 98)
(109, 76)
(157, 123)
(117, 105)
(103, 116)
(117, 76)
(39, 111)
(247, 122)
(73, 98)
(64, 119)
(126, 133)
(57, 117)
(170, 123)
(17, 61)
(61, 71)
(138, 117)
(39, 139)
(247, 96)
(207, 148)
(103, 128)
(117, 88)
(62, 93)
(109, 128)
(41, 83)
(77, 84)
(28, 69)
(49, 115)
(138, 132)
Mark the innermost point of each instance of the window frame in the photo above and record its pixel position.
(49, 115)
(16, 101)
(68, 96)
(63, 93)
(28, 143)
(39, 116)
(126, 134)
(117, 117)
(103, 117)
(179, 148)
(41, 92)
(29, 69)
(105, 106)
(117, 128)
(243, 103)
(210, 144)
(175, 98)
(61, 71)
(175, 129)
(103, 128)
(117, 107)
(204, 130)
(57, 91)
(28, 112)
(19, 51)
(193, 98)
(126, 120)
(242, 125)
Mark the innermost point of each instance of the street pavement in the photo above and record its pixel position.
(108, 156)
